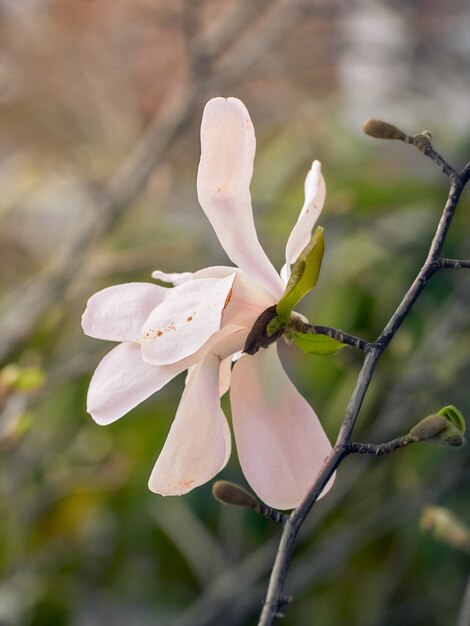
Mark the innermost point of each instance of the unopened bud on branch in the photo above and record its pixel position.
(383, 130)
(445, 428)
(230, 493)
(445, 526)
(429, 428)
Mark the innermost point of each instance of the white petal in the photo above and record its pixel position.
(247, 302)
(223, 344)
(225, 375)
(198, 444)
(175, 278)
(315, 191)
(281, 443)
(122, 381)
(215, 271)
(228, 341)
(186, 319)
(248, 299)
(228, 147)
(118, 313)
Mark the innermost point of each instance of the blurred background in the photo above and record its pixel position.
(100, 106)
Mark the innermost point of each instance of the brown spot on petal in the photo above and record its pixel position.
(159, 333)
(219, 189)
(190, 318)
(184, 483)
(227, 299)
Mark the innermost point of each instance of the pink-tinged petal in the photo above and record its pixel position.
(198, 444)
(223, 344)
(215, 271)
(315, 191)
(248, 298)
(174, 278)
(119, 312)
(225, 375)
(186, 319)
(229, 341)
(228, 442)
(281, 443)
(122, 381)
(228, 147)
(247, 302)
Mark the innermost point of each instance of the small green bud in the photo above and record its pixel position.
(445, 428)
(9, 375)
(230, 493)
(383, 130)
(14, 377)
(428, 428)
(445, 526)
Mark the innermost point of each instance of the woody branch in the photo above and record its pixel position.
(344, 445)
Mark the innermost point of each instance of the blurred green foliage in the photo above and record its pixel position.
(82, 540)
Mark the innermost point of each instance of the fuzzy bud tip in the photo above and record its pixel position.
(439, 430)
(230, 493)
(383, 130)
(443, 525)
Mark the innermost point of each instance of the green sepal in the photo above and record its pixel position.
(274, 326)
(454, 416)
(316, 344)
(304, 275)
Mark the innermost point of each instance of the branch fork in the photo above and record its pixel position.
(373, 352)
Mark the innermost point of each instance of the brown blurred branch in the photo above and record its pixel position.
(27, 304)
(23, 309)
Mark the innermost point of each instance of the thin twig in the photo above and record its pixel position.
(334, 333)
(373, 352)
(423, 144)
(454, 264)
(272, 514)
(379, 449)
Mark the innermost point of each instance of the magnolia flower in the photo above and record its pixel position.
(201, 325)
